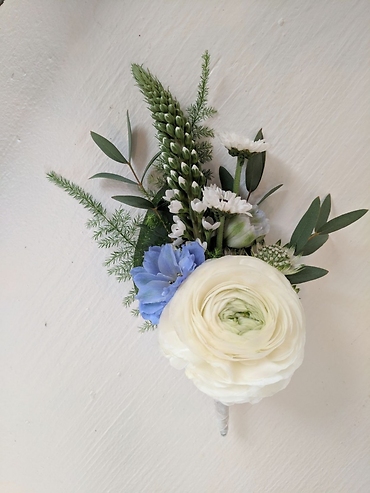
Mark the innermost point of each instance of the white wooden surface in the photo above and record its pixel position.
(87, 404)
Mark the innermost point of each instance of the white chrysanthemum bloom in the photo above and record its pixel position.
(233, 141)
(175, 206)
(228, 202)
(237, 327)
(209, 224)
(178, 228)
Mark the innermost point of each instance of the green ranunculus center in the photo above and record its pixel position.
(239, 317)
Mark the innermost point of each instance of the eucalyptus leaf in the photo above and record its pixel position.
(255, 167)
(269, 193)
(134, 201)
(113, 176)
(129, 136)
(324, 212)
(259, 135)
(314, 244)
(226, 179)
(108, 148)
(341, 221)
(156, 156)
(305, 226)
(307, 273)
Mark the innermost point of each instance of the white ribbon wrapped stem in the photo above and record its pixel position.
(222, 413)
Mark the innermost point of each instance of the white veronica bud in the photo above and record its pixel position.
(182, 182)
(169, 195)
(175, 206)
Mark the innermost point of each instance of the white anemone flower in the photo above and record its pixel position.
(198, 206)
(177, 229)
(209, 224)
(233, 141)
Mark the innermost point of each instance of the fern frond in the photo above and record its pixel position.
(130, 298)
(199, 110)
(147, 326)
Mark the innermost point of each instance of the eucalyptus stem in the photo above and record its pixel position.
(238, 172)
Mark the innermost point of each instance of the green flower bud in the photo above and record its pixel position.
(161, 127)
(166, 142)
(170, 129)
(183, 184)
(179, 121)
(179, 133)
(238, 232)
(194, 156)
(185, 168)
(163, 108)
(169, 118)
(188, 140)
(185, 153)
(175, 148)
(159, 117)
(171, 183)
(172, 109)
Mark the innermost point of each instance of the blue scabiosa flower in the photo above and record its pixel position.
(164, 269)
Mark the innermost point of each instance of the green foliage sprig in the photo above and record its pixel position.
(118, 231)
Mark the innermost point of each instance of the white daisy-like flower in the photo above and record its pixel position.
(233, 141)
(216, 198)
(177, 229)
(175, 206)
(209, 224)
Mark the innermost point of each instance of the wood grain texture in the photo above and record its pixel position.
(87, 403)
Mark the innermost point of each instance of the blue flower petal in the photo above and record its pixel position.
(167, 262)
(164, 269)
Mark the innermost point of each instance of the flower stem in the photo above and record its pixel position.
(238, 172)
(220, 233)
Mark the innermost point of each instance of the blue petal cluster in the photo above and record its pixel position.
(164, 269)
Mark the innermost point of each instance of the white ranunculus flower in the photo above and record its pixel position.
(237, 326)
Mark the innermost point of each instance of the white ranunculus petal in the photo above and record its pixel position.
(237, 327)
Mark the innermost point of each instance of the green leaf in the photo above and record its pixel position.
(259, 135)
(108, 148)
(134, 201)
(341, 221)
(149, 236)
(113, 176)
(314, 244)
(227, 181)
(269, 193)
(255, 167)
(305, 226)
(307, 273)
(129, 136)
(324, 212)
(156, 156)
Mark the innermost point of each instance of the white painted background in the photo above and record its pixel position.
(87, 404)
